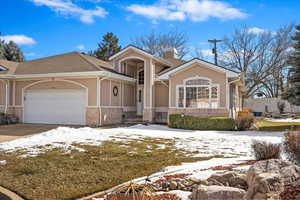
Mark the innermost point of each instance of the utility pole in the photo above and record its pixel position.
(214, 50)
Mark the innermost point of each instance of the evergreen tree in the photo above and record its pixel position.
(12, 52)
(107, 47)
(293, 92)
(2, 56)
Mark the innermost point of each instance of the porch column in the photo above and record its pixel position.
(149, 99)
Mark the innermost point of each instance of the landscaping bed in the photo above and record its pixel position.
(268, 125)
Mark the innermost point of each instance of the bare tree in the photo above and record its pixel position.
(155, 42)
(261, 56)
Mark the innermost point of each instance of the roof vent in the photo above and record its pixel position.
(170, 53)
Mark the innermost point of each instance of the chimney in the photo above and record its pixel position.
(170, 53)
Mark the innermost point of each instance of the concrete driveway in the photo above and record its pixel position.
(15, 131)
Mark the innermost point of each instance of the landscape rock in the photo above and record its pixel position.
(266, 179)
(217, 192)
(231, 179)
(173, 185)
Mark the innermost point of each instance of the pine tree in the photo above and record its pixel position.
(107, 47)
(293, 92)
(12, 52)
(2, 56)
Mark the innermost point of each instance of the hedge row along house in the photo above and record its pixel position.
(75, 88)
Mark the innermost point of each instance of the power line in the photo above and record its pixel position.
(214, 50)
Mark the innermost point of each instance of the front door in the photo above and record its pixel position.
(140, 101)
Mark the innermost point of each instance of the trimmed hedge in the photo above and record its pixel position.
(200, 123)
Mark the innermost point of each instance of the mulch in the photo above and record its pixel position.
(290, 193)
(154, 197)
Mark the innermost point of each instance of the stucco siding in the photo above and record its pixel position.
(19, 87)
(116, 100)
(161, 95)
(91, 84)
(129, 95)
(58, 84)
(105, 93)
(201, 71)
(2, 93)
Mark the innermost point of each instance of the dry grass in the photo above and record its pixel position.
(292, 145)
(264, 125)
(265, 150)
(56, 175)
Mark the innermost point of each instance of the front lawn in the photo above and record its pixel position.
(56, 175)
(68, 163)
(265, 125)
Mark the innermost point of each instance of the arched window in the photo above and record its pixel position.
(198, 92)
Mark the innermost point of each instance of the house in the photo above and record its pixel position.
(75, 88)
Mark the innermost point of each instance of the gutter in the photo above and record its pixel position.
(6, 95)
(70, 74)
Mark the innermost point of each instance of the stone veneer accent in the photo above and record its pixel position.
(111, 116)
(92, 116)
(148, 115)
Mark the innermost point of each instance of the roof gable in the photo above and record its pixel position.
(142, 52)
(165, 74)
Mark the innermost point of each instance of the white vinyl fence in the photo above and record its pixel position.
(270, 105)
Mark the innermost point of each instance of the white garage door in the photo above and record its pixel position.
(55, 106)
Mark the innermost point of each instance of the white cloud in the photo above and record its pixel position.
(18, 39)
(195, 10)
(67, 8)
(80, 47)
(207, 52)
(256, 30)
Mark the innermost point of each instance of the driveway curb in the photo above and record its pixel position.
(10, 194)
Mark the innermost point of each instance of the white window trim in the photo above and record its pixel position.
(197, 86)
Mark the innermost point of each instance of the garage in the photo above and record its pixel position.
(55, 106)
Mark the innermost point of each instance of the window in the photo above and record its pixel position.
(180, 96)
(140, 96)
(2, 68)
(198, 93)
(141, 77)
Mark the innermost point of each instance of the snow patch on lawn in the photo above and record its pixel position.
(200, 143)
(283, 120)
(3, 162)
(61, 137)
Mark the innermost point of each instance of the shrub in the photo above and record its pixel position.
(244, 123)
(200, 123)
(292, 145)
(265, 150)
(281, 106)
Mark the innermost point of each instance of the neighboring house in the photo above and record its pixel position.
(75, 88)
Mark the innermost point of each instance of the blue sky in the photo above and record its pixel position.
(49, 27)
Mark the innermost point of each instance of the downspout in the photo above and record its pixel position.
(99, 96)
(6, 96)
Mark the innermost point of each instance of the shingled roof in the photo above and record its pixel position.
(64, 63)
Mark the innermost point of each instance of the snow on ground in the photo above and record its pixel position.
(235, 146)
(282, 120)
(62, 137)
